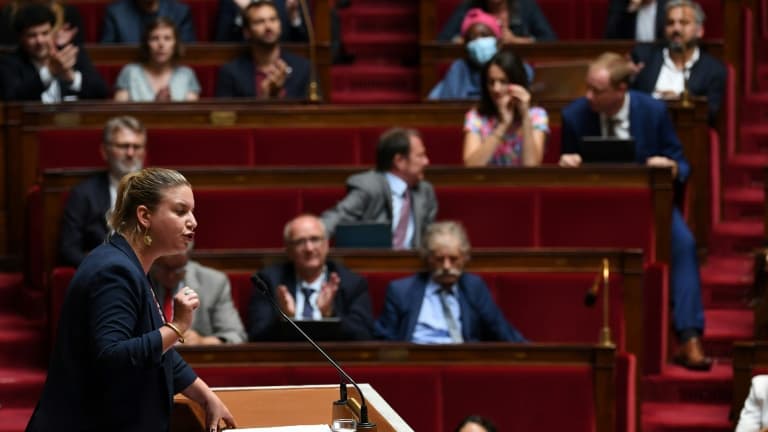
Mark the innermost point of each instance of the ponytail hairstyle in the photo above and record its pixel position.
(145, 188)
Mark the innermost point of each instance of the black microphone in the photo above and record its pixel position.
(363, 424)
(591, 297)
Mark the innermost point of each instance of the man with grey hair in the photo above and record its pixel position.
(84, 223)
(310, 287)
(444, 304)
(394, 193)
(669, 69)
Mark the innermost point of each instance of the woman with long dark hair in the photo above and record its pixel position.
(504, 129)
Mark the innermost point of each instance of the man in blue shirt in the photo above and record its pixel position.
(445, 304)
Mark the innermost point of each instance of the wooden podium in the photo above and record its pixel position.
(285, 406)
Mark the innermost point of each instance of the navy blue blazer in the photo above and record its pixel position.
(84, 223)
(649, 124)
(229, 24)
(707, 76)
(108, 370)
(531, 22)
(622, 24)
(352, 303)
(236, 78)
(125, 23)
(481, 319)
(20, 80)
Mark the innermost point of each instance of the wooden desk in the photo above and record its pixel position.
(601, 360)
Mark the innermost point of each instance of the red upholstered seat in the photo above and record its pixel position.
(109, 73)
(242, 288)
(70, 148)
(563, 17)
(317, 200)
(92, 13)
(377, 288)
(199, 147)
(493, 216)
(204, 13)
(206, 76)
(306, 146)
(243, 218)
(443, 144)
(588, 217)
(520, 397)
(243, 376)
(549, 307)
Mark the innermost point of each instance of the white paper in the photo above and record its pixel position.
(299, 428)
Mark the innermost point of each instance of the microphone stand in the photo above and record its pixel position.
(605, 331)
(363, 424)
(685, 96)
(314, 95)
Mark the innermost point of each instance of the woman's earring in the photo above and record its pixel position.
(147, 239)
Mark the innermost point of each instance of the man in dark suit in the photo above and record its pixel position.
(125, 20)
(666, 68)
(38, 70)
(443, 305)
(394, 193)
(84, 223)
(610, 109)
(641, 20)
(310, 287)
(266, 71)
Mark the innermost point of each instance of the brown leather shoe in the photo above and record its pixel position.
(691, 356)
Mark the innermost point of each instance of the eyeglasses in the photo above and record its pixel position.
(313, 240)
(127, 146)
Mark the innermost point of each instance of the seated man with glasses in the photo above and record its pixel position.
(216, 321)
(310, 287)
(84, 223)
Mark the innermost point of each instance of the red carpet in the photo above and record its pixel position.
(23, 353)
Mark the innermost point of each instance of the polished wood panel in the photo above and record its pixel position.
(600, 359)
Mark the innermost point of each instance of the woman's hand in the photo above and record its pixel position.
(184, 304)
(216, 412)
(505, 108)
(521, 99)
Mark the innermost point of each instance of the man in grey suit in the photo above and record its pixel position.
(394, 193)
(216, 321)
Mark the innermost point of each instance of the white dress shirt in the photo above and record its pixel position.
(621, 120)
(670, 77)
(52, 92)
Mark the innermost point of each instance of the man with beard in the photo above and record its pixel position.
(444, 304)
(310, 287)
(266, 71)
(665, 69)
(84, 223)
(39, 70)
(610, 109)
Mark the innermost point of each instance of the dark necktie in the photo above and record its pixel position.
(401, 229)
(308, 311)
(612, 126)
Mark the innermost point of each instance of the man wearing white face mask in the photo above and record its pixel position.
(481, 33)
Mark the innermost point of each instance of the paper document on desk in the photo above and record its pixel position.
(299, 428)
